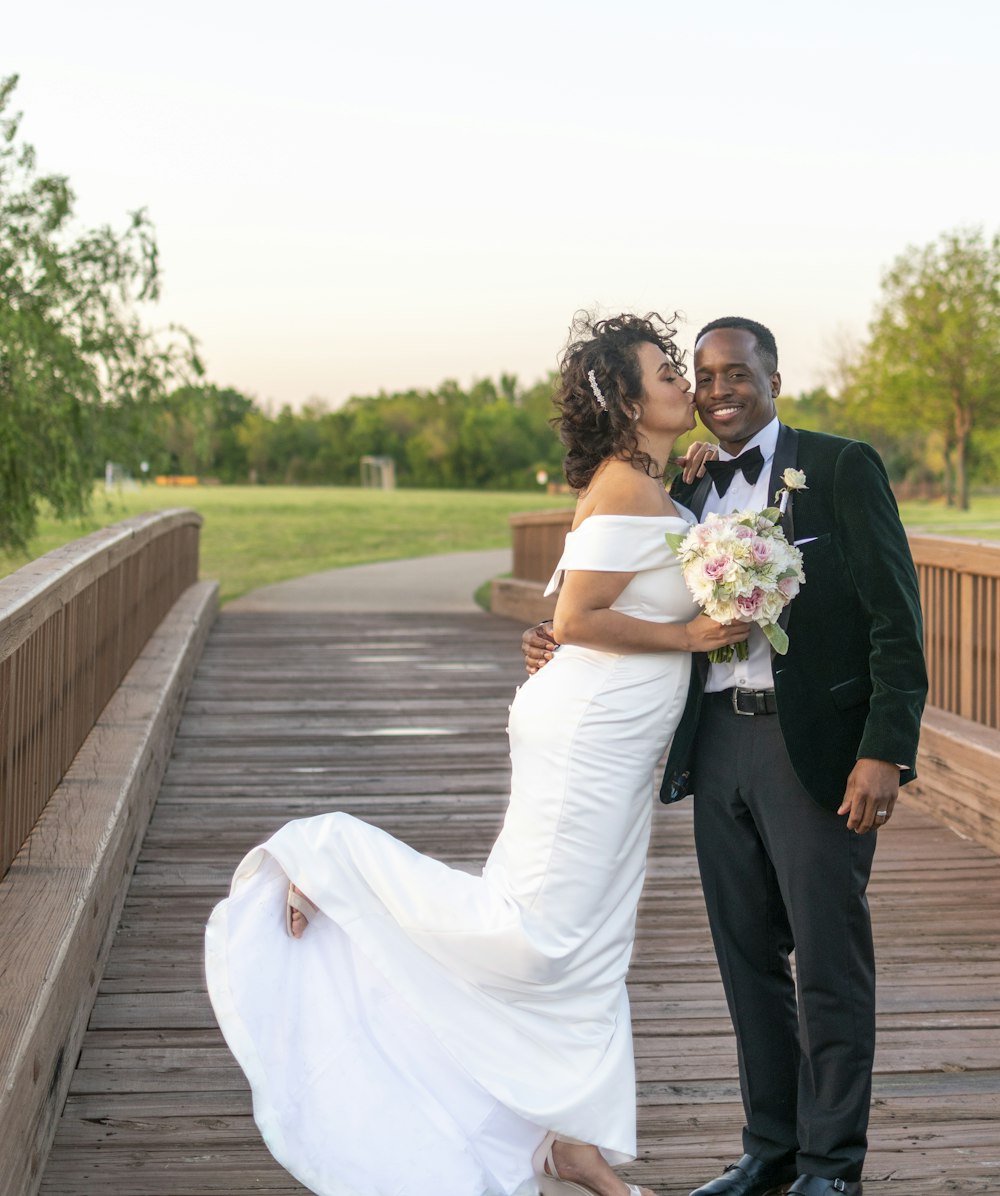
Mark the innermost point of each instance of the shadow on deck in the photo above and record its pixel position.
(399, 719)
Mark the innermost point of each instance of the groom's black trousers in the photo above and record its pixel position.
(782, 874)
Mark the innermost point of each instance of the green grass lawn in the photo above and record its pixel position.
(980, 522)
(255, 535)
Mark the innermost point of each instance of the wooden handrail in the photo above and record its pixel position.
(71, 625)
(960, 589)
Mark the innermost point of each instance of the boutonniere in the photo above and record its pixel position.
(794, 479)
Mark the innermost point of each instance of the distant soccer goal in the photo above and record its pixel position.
(117, 477)
(378, 473)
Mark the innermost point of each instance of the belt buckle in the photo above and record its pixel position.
(736, 705)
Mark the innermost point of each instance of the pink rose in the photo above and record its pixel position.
(789, 586)
(743, 532)
(760, 549)
(749, 604)
(716, 568)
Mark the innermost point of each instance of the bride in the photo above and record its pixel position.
(422, 1032)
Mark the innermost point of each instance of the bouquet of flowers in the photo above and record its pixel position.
(740, 567)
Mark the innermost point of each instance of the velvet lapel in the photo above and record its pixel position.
(786, 455)
(699, 495)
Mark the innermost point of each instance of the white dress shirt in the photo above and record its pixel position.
(755, 671)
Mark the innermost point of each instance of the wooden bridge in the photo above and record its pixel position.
(116, 1079)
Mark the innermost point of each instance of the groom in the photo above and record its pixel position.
(794, 761)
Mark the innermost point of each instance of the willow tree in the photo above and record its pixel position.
(932, 362)
(71, 336)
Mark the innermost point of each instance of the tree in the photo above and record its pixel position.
(932, 363)
(197, 427)
(71, 338)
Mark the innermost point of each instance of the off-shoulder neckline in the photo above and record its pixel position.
(672, 518)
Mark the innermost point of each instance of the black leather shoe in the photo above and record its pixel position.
(751, 1177)
(818, 1185)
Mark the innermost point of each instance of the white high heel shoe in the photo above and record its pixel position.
(549, 1181)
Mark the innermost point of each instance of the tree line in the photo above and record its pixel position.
(493, 435)
(85, 378)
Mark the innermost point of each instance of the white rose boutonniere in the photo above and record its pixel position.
(794, 479)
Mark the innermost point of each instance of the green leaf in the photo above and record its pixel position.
(675, 541)
(777, 637)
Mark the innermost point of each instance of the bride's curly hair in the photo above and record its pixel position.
(608, 347)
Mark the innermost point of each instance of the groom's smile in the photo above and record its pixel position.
(734, 388)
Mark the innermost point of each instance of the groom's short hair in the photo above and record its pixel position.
(767, 346)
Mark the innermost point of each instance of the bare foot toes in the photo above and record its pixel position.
(300, 910)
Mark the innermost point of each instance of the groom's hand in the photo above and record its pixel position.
(537, 646)
(872, 789)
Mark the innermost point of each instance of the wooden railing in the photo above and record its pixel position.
(960, 589)
(71, 625)
(538, 538)
(958, 764)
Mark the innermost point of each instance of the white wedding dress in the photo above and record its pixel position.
(423, 1034)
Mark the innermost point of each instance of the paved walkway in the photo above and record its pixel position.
(442, 584)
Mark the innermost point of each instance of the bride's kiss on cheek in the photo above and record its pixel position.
(409, 1029)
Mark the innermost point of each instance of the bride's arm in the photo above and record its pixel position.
(583, 616)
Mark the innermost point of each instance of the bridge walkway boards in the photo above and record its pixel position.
(399, 719)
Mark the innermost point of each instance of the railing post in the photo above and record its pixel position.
(966, 646)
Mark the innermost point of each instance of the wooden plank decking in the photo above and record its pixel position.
(399, 719)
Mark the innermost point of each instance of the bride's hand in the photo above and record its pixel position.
(693, 461)
(705, 634)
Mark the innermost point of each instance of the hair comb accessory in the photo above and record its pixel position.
(601, 402)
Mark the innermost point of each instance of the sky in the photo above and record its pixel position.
(365, 196)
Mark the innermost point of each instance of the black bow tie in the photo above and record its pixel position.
(749, 464)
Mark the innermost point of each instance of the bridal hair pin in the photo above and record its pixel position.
(601, 402)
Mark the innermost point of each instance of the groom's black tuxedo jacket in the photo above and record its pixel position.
(853, 682)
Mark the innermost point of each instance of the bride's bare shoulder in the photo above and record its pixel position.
(622, 489)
